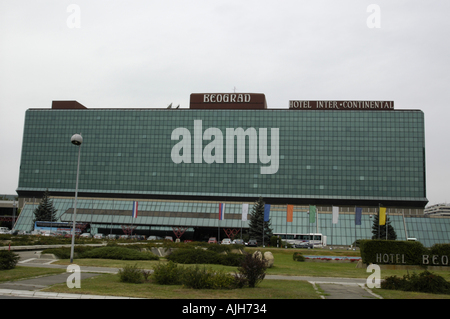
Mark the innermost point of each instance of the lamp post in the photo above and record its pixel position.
(76, 140)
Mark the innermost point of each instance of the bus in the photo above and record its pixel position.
(304, 240)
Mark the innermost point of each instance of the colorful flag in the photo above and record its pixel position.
(382, 217)
(290, 213)
(358, 212)
(335, 214)
(244, 211)
(135, 209)
(266, 212)
(312, 214)
(221, 211)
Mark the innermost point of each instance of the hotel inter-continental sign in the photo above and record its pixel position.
(341, 105)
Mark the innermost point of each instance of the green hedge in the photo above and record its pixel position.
(201, 256)
(403, 253)
(410, 251)
(107, 252)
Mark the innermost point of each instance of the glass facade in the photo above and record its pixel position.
(157, 217)
(323, 156)
(179, 164)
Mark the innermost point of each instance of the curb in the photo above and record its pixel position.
(55, 295)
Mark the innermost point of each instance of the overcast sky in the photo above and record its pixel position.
(148, 54)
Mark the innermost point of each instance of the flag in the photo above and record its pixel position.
(312, 214)
(244, 211)
(382, 217)
(266, 212)
(335, 214)
(358, 212)
(290, 213)
(135, 209)
(221, 211)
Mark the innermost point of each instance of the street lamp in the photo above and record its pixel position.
(76, 140)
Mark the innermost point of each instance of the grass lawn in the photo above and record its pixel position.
(109, 284)
(19, 273)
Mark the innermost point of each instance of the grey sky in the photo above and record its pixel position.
(145, 54)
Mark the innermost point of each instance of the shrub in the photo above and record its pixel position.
(131, 274)
(252, 270)
(412, 250)
(423, 282)
(203, 278)
(120, 253)
(298, 257)
(167, 274)
(8, 259)
(201, 256)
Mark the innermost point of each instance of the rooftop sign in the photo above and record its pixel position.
(228, 101)
(341, 105)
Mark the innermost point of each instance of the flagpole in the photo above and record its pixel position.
(379, 220)
(355, 227)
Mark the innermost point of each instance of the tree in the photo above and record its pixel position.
(392, 235)
(45, 210)
(256, 223)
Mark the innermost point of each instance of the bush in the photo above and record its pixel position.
(423, 282)
(120, 253)
(252, 270)
(64, 253)
(201, 256)
(298, 257)
(167, 274)
(195, 278)
(131, 274)
(8, 259)
(203, 278)
(412, 250)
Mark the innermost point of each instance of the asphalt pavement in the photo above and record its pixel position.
(332, 288)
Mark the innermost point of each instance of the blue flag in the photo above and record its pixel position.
(266, 212)
(358, 213)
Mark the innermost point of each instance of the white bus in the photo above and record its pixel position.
(304, 240)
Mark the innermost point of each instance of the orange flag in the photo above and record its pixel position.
(290, 213)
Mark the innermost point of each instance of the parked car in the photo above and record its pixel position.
(212, 240)
(154, 238)
(168, 238)
(252, 243)
(238, 242)
(4, 230)
(304, 244)
(226, 241)
(99, 236)
(86, 235)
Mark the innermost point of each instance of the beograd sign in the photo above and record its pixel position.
(228, 101)
(341, 105)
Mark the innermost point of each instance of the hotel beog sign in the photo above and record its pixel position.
(228, 101)
(341, 105)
